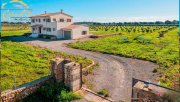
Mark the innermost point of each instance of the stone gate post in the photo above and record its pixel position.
(72, 76)
(57, 70)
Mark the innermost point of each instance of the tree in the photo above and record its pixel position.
(175, 22)
(159, 22)
(168, 22)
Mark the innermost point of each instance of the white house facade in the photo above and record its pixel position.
(57, 24)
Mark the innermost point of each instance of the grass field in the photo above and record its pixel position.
(14, 27)
(23, 63)
(14, 33)
(162, 50)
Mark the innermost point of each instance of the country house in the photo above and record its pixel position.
(57, 24)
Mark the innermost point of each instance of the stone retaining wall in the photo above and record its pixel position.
(23, 90)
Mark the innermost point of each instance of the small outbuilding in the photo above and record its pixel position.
(75, 31)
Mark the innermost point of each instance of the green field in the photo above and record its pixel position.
(14, 29)
(102, 30)
(23, 63)
(14, 33)
(163, 50)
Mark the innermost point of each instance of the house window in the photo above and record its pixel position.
(44, 28)
(49, 29)
(84, 32)
(36, 20)
(68, 20)
(33, 29)
(44, 20)
(33, 20)
(48, 20)
(39, 20)
(61, 20)
(54, 19)
(54, 29)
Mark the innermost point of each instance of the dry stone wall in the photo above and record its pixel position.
(23, 90)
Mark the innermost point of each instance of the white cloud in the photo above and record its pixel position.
(126, 19)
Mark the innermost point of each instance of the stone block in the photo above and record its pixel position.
(72, 76)
(57, 69)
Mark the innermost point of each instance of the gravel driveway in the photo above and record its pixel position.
(114, 73)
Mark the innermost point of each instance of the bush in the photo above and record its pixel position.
(47, 36)
(27, 34)
(172, 96)
(52, 92)
(124, 39)
(66, 96)
(57, 92)
(142, 39)
(104, 92)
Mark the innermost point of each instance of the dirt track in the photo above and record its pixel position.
(114, 73)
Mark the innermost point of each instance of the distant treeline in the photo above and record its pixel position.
(167, 22)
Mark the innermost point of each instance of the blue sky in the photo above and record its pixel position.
(109, 10)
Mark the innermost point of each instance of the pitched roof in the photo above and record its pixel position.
(72, 26)
(50, 14)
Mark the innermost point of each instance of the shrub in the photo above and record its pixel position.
(124, 39)
(172, 96)
(155, 70)
(142, 39)
(104, 92)
(66, 96)
(161, 34)
(27, 34)
(48, 90)
(57, 92)
(47, 36)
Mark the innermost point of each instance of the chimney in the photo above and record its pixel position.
(61, 10)
(45, 12)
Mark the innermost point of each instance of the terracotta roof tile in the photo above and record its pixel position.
(72, 26)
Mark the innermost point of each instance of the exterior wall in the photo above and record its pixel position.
(77, 33)
(41, 18)
(62, 24)
(53, 24)
(34, 31)
(60, 34)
